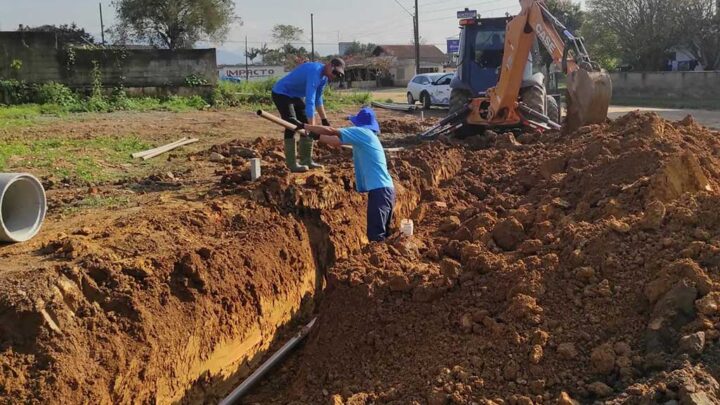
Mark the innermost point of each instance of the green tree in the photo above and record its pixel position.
(359, 49)
(65, 33)
(701, 33)
(644, 29)
(570, 15)
(174, 24)
(252, 53)
(601, 43)
(287, 55)
(286, 34)
(273, 57)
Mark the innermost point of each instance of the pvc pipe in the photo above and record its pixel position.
(246, 385)
(279, 121)
(255, 170)
(22, 207)
(285, 124)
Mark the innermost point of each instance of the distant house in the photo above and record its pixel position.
(682, 60)
(432, 59)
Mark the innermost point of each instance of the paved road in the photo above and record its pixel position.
(704, 117)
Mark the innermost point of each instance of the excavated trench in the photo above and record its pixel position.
(180, 302)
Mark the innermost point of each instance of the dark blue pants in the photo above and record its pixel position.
(381, 202)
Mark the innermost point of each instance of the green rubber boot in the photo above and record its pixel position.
(290, 157)
(306, 149)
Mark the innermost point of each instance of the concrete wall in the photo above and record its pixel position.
(37, 51)
(365, 84)
(142, 67)
(667, 85)
(44, 59)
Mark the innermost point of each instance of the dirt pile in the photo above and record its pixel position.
(546, 270)
(410, 125)
(138, 306)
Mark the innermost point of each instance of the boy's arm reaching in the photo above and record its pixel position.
(327, 135)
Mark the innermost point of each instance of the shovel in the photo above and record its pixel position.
(588, 98)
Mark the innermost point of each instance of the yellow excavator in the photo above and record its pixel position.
(509, 104)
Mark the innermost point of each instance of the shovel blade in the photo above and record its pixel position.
(588, 98)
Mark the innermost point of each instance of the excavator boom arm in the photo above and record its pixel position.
(540, 20)
(534, 21)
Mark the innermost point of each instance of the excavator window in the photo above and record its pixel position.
(489, 47)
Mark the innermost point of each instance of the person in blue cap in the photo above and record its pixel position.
(371, 173)
(305, 81)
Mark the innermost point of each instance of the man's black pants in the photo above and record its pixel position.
(290, 108)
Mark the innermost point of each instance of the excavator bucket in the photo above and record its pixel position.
(588, 98)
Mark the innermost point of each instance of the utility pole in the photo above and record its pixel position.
(312, 38)
(102, 26)
(417, 39)
(247, 67)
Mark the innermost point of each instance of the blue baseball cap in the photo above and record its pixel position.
(366, 119)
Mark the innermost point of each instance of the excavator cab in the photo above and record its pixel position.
(482, 43)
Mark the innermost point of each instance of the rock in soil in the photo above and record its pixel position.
(692, 344)
(508, 233)
(216, 157)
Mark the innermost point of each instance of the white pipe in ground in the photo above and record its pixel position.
(22, 207)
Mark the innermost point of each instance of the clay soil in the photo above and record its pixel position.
(544, 268)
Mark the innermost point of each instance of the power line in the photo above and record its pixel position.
(278, 43)
(455, 8)
(479, 12)
(403, 7)
(434, 2)
(374, 30)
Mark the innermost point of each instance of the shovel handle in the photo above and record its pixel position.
(279, 121)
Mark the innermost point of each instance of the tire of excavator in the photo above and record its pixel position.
(458, 100)
(534, 97)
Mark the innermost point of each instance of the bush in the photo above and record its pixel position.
(176, 103)
(258, 93)
(55, 93)
(196, 102)
(56, 98)
(337, 99)
(234, 94)
(15, 92)
(96, 104)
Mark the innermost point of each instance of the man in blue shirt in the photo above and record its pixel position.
(306, 81)
(371, 173)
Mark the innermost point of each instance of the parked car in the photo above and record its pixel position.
(430, 89)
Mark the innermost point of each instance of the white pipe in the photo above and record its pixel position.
(246, 385)
(22, 207)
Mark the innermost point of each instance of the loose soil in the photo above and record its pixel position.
(543, 269)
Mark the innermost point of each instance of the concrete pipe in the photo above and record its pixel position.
(22, 207)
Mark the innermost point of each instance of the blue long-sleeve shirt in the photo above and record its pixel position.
(307, 80)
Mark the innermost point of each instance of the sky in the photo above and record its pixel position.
(375, 21)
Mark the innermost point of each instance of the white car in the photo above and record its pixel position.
(430, 89)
